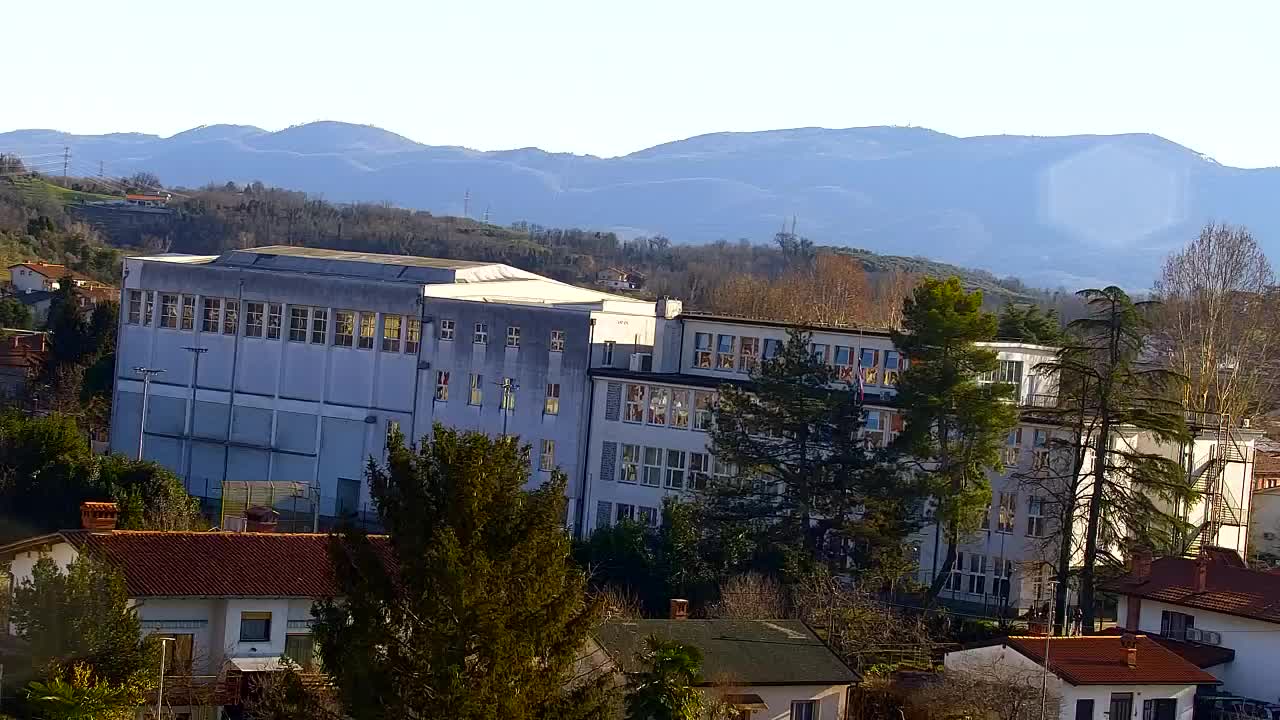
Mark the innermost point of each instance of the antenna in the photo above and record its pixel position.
(466, 203)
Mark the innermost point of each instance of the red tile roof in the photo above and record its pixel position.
(1229, 588)
(1202, 656)
(214, 564)
(1101, 660)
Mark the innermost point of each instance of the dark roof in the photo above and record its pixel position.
(709, 381)
(741, 652)
(33, 297)
(1230, 588)
(744, 320)
(1102, 660)
(1202, 656)
(213, 564)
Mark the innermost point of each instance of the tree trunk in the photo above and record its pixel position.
(935, 588)
(1064, 570)
(1100, 450)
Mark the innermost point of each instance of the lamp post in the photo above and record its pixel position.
(1048, 633)
(160, 689)
(146, 374)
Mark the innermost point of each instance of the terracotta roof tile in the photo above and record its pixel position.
(1101, 660)
(1202, 656)
(1229, 588)
(159, 564)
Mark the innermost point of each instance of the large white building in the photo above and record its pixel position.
(294, 364)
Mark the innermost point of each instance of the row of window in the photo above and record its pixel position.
(668, 407)
(506, 388)
(1006, 514)
(732, 353)
(254, 627)
(970, 575)
(672, 469)
(351, 328)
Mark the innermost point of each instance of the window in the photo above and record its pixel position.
(630, 472)
(844, 361)
(508, 402)
(1005, 516)
(675, 469)
(606, 353)
(477, 390)
(557, 341)
(699, 470)
(391, 333)
(604, 514)
(1009, 371)
(552, 404)
(748, 354)
(254, 312)
(724, 352)
(231, 317)
(772, 349)
(188, 312)
(722, 471)
(625, 512)
(301, 649)
(652, 467)
(1160, 709)
(1001, 584)
(649, 516)
(255, 626)
(897, 423)
(804, 710)
(702, 350)
(412, 335)
(148, 306)
(344, 328)
(446, 330)
(873, 430)
(955, 579)
(1175, 624)
(869, 364)
(212, 315)
(368, 326)
(892, 367)
(1121, 706)
(634, 411)
(821, 352)
(1040, 450)
(977, 581)
(168, 310)
(986, 518)
(480, 334)
(659, 400)
(1012, 448)
(135, 307)
(180, 653)
(547, 458)
(513, 336)
(1084, 709)
(274, 318)
(680, 409)
(319, 325)
(442, 385)
(298, 318)
(1035, 516)
(702, 407)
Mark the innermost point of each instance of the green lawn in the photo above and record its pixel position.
(33, 188)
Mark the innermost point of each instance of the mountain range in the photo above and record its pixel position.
(1054, 211)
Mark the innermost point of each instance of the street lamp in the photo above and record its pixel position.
(146, 374)
(160, 689)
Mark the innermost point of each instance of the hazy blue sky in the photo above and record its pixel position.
(604, 77)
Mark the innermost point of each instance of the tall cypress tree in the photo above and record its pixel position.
(955, 426)
(470, 608)
(806, 478)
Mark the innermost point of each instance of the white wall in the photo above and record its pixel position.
(1257, 646)
(831, 699)
(1264, 522)
(26, 280)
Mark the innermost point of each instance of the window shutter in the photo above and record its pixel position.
(608, 461)
(613, 401)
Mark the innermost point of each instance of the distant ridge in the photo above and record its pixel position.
(1071, 211)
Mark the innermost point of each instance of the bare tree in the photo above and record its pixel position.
(1218, 320)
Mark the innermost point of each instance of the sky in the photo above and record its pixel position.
(607, 78)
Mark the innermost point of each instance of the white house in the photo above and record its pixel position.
(1099, 677)
(1214, 601)
(766, 669)
(231, 604)
(294, 364)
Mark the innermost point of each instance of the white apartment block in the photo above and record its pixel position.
(294, 364)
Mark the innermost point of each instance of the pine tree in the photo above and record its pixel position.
(955, 426)
(806, 478)
(1030, 324)
(470, 607)
(665, 689)
(1109, 394)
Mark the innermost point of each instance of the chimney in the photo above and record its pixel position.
(261, 519)
(1131, 657)
(1129, 642)
(1141, 563)
(98, 516)
(1202, 573)
(679, 609)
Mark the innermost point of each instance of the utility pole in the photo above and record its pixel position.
(160, 689)
(191, 410)
(146, 374)
(1048, 633)
(66, 160)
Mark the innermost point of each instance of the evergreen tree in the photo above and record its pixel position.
(806, 478)
(15, 315)
(955, 426)
(1030, 324)
(1130, 490)
(665, 688)
(470, 607)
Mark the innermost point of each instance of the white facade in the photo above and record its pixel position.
(1264, 523)
(827, 701)
(1001, 663)
(312, 357)
(25, 279)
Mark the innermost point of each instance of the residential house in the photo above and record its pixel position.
(35, 276)
(615, 279)
(1264, 518)
(230, 604)
(1210, 601)
(1099, 677)
(765, 669)
(22, 355)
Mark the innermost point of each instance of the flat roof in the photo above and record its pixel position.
(356, 256)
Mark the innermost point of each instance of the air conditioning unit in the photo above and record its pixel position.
(641, 362)
(1191, 635)
(234, 524)
(1210, 637)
